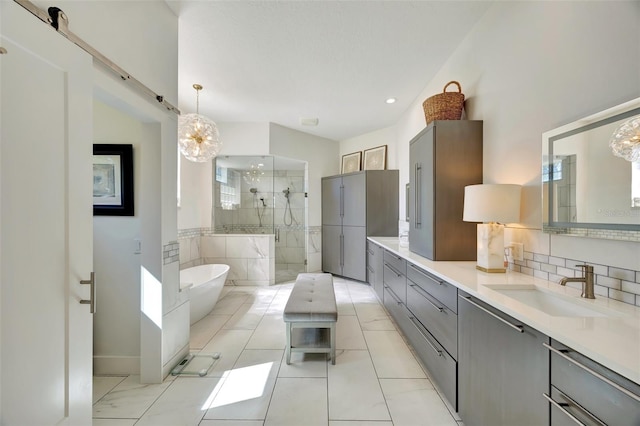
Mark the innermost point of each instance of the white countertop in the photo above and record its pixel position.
(613, 341)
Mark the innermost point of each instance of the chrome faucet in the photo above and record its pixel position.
(586, 279)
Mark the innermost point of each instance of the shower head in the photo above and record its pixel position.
(253, 190)
(286, 192)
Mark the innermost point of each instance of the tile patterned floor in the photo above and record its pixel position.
(377, 380)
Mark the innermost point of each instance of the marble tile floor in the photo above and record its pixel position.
(377, 380)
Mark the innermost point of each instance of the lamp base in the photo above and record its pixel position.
(492, 270)
(490, 248)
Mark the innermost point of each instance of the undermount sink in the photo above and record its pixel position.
(551, 303)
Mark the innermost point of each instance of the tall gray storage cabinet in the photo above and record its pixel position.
(444, 158)
(354, 206)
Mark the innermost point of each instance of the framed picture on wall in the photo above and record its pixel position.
(112, 180)
(351, 162)
(375, 158)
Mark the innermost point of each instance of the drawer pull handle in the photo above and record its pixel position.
(393, 270)
(437, 351)
(425, 295)
(393, 296)
(518, 328)
(439, 282)
(370, 252)
(561, 406)
(593, 373)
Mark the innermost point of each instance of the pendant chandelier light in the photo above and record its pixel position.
(625, 141)
(198, 136)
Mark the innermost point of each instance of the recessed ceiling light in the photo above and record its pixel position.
(391, 100)
(309, 121)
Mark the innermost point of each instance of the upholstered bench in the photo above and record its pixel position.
(312, 311)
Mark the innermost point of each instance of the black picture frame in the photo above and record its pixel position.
(113, 180)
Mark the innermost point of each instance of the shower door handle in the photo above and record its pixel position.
(92, 297)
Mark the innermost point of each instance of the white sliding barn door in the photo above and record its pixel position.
(46, 224)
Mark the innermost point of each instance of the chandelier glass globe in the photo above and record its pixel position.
(198, 136)
(625, 141)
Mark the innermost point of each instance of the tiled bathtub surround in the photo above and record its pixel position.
(251, 257)
(288, 253)
(614, 283)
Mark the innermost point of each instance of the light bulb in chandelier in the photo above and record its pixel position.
(254, 173)
(625, 141)
(198, 136)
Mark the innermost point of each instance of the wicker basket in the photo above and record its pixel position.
(445, 105)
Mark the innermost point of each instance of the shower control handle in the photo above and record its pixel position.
(92, 297)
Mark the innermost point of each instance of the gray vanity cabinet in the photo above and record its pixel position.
(503, 368)
(584, 390)
(375, 266)
(444, 158)
(354, 206)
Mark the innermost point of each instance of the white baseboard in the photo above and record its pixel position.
(116, 365)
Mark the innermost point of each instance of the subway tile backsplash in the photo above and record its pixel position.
(611, 282)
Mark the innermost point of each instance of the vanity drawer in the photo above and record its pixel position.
(442, 367)
(440, 289)
(441, 321)
(396, 281)
(573, 378)
(396, 262)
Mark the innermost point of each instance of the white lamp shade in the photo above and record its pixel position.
(492, 203)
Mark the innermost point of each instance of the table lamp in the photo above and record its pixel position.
(495, 204)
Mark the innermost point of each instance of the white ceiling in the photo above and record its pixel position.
(280, 61)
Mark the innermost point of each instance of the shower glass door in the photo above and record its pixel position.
(264, 195)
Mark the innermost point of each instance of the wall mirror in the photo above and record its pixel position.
(588, 190)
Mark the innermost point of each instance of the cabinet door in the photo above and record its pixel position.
(331, 201)
(503, 369)
(354, 256)
(421, 183)
(332, 249)
(354, 199)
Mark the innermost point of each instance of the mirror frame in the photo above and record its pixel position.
(614, 231)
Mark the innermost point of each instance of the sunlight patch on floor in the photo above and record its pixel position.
(239, 384)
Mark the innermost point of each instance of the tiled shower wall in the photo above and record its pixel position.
(614, 283)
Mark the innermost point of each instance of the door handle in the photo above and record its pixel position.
(417, 196)
(92, 297)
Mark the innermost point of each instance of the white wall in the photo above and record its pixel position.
(321, 155)
(141, 37)
(528, 67)
(116, 341)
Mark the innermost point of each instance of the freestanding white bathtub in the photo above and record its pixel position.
(205, 283)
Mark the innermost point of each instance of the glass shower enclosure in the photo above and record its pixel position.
(264, 195)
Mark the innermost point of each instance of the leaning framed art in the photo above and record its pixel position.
(112, 180)
(351, 162)
(375, 158)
